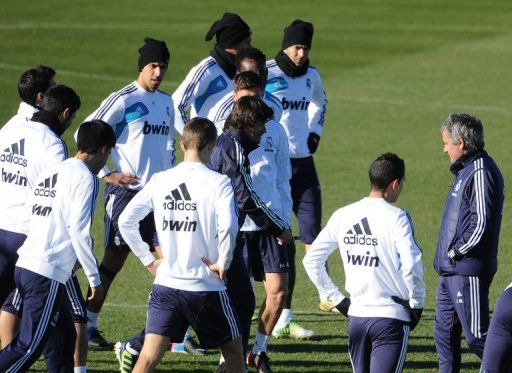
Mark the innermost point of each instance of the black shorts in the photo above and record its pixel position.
(307, 198)
(116, 199)
(209, 313)
(263, 254)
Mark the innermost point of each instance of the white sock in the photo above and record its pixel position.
(285, 318)
(221, 359)
(261, 343)
(81, 369)
(252, 281)
(92, 320)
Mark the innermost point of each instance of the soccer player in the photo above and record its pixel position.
(299, 88)
(243, 130)
(211, 79)
(142, 118)
(189, 287)
(62, 205)
(383, 270)
(466, 257)
(497, 357)
(31, 88)
(270, 175)
(29, 147)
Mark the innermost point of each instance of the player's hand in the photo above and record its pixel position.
(285, 238)
(120, 179)
(414, 313)
(96, 293)
(152, 267)
(221, 273)
(313, 141)
(343, 306)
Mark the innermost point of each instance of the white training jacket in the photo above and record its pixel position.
(26, 149)
(220, 112)
(304, 105)
(24, 114)
(62, 205)
(144, 125)
(380, 256)
(204, 86)
(195, 217)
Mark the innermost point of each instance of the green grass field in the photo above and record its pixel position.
(393, 70)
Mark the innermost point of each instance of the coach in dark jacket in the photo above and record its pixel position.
(467, 248)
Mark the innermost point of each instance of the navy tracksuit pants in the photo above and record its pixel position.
(498, 345)
(45, 318)
(462, 305)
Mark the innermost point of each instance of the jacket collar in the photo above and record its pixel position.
(465, 160)
(247, 144)
(49, 119)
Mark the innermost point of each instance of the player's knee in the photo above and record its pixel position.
(233, 349)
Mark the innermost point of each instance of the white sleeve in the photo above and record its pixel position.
(189, 89)
(318, 105)
(284, 174)
(316, 258)
(129, 220)
(83, 203)
(55, 152)
(411, 266)
(227, 223)
(111, 111)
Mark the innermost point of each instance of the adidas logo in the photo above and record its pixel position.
(359, 233)
(46, 187)
(15, 154)
(178, 198)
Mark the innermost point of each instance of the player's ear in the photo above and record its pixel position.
(66, 113)
(39, 98)
(182, 146)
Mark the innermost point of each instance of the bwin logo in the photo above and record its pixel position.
(179, 225)
(178, 201)
(295, 104)
(46, 187)
(160, 129)
(15, 154)
(363, 260)
(360, 238)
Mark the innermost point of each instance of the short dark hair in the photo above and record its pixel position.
(199, 133)
(385, 169)
(248, 111)
(60, 97)
(466, 127)
(247, 80)
(94, 135)
(251, 53)
(35, 81)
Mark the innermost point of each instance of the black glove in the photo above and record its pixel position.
(313, 140)
(414, 313)
(343, 306)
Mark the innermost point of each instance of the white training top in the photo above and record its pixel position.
(304, 105)
(26, 149)
(144, 127)
(195, 217)
(24, 114)
(380, 256)
(220, 111)
(62, 204)
(204, 86)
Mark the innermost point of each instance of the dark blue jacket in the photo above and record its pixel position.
(471, 221)
(229, 157)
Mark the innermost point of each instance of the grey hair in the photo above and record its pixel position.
(465, 127)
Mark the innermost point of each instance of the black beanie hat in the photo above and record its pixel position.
(298, 33)
(229, 30)
(153, 51)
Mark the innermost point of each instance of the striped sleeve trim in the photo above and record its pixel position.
(64, 148)
(190, 88)
(247, 178)
(224, 110)
(113, 98)
(94, 196)
(479, 190)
